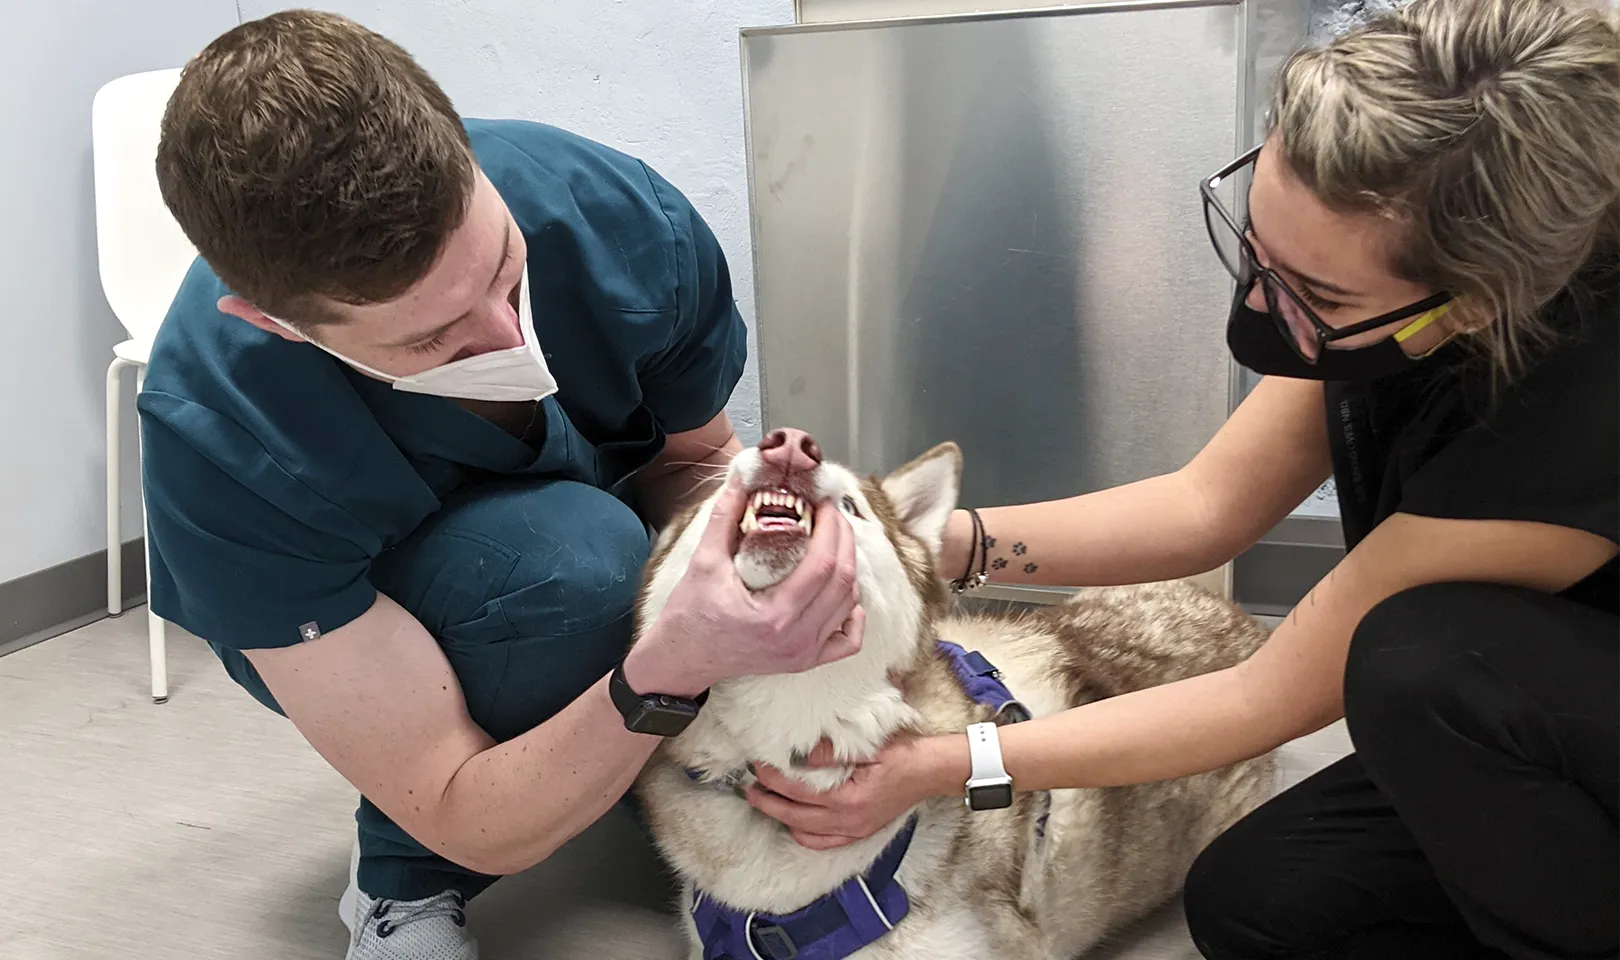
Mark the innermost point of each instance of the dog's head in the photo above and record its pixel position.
(897, 521)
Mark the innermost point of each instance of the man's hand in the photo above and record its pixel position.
(907, 771)
(713, 627)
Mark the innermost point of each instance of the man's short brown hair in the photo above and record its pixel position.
(306, 156)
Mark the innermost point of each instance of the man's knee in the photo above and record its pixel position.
(580, 556)
(516, 559)
(529, 587)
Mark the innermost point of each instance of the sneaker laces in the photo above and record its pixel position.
(391, 915)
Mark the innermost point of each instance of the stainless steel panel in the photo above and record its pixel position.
(987, 229)
(830, 11)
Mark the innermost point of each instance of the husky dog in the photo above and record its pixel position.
(1049, 876)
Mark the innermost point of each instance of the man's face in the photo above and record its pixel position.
(467, 303)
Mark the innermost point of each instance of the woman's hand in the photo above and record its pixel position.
(906, 772)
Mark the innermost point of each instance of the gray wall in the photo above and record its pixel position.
(56, 331)
(659, 79)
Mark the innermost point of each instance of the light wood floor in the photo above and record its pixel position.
(205, 828)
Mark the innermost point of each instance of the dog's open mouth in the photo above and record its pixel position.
(782, 494)
(775, 526)
(777, 512)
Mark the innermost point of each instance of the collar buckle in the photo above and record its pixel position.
(771, 942)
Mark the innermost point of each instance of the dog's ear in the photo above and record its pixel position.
(924, 492)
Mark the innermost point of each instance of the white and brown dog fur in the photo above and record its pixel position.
(981, 884)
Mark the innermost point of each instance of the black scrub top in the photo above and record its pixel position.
(1438, 441)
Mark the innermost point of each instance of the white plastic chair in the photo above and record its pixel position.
(143, 257)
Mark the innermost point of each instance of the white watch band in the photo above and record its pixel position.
(989, 787)
(984, 749)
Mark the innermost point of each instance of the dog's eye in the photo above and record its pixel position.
(849, 506)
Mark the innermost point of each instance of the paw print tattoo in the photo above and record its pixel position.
(989, 543)
(1019, 549)
(1000, 563)
(1030, 568)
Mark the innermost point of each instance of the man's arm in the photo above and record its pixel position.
(377, 699)
(686, 469)
(688, 376)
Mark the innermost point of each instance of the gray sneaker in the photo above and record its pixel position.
(431, 929)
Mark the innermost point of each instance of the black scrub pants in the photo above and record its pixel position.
(1477, 817)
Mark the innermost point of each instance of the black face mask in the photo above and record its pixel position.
(1257, 343)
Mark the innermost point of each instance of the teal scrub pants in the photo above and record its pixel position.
(528, 585)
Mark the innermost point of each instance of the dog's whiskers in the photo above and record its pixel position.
(720, 448)
(700, 482)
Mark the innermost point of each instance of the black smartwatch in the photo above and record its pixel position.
(656, 714)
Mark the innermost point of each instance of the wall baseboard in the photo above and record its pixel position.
(53, 601)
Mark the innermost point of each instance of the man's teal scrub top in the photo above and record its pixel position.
(274, 473)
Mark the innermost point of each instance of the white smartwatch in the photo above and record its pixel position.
(988, 787)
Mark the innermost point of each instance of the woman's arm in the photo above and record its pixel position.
(1263, 462)
(1290, 687)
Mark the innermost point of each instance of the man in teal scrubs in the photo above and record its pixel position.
(406, 427)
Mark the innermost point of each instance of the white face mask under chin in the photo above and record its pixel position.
(512, 375)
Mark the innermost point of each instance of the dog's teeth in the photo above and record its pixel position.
(748, 521)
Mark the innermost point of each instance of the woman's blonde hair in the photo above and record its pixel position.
(1490, 131)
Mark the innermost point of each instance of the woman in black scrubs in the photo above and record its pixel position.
(1427, 276)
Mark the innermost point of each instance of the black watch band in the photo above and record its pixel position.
(655, 714)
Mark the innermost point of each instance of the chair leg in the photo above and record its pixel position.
(115, 536)
(156, 641)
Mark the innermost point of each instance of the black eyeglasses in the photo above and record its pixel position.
(1287, 308)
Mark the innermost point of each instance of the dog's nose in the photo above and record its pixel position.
(791, 450)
